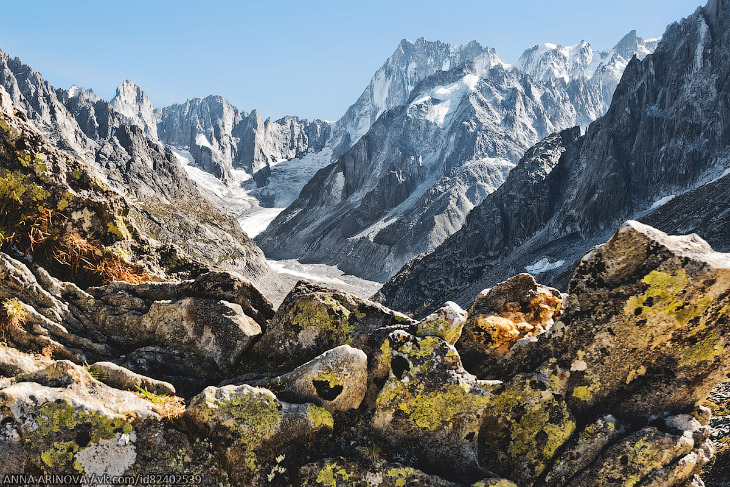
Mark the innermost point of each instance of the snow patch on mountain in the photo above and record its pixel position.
(544, 265)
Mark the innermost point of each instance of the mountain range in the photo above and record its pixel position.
(661, 154)
(412, 178)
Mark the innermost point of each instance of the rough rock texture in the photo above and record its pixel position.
(120, 378)
(248, 423)
(503, 320)
(313, 319)
(717, 474)
(447, 323)
(176, 331)
(665, 135)
(336, 380)
(608, 396)
(429, 410)
(367, 473)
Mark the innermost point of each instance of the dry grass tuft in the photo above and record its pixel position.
(12, 314)
(169, 407)
(89, 263)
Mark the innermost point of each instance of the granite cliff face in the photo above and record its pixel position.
(659, 154)
(221, 138)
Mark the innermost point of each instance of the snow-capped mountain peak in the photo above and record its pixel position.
(552, 62)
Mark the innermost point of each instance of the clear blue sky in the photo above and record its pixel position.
(307, 57)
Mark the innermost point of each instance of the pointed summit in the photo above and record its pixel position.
(135, 106)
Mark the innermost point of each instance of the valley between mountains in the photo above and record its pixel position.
(482, 274)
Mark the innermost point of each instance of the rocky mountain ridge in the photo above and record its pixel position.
(167, 205)
(409, 183)
(663, 144)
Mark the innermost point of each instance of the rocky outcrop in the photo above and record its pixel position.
(135, 106)
(600, 387)
(659, 154)
(313, 319)
(163, 204)
(221, 138)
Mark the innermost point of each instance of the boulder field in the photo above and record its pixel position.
(613, 384)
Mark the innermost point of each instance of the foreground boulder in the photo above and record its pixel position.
(313, 319)
(182, 332)
(647, 324)
(430, 408)
(336, 380)
(248, 423)
(516, 310)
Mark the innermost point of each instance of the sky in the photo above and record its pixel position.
(285, 57)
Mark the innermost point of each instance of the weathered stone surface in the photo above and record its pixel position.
(251, 426)
(717, 474)
(60, 420)
(525, 425)
(584, 449)
(119, 377)
(646, 324)
(662, 456)
(447, 323)
(158, 326)
(430, 409)
(513, 310)
(313, 319)
(336, 380)
(367, 473)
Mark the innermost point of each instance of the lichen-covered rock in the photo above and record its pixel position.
(362, 472)
(516, 309)
(60, 420)
(445, 322)
(526, 424)
(717, 474)
(430, 409)
(584, 449)
(121, 378)
(665, 455)
(251, 426)
(313, 319)
(646, 324)
(336, 380)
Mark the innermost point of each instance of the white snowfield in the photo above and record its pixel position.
(544, 265)
(241, 198)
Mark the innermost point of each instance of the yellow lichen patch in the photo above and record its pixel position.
(63, 416)
(61, 453)
(119, 229)
(255, 415)
(320, 417)
(535, 421)
(438, 409)
(400, 475)
(324, 315)
(331, 473)
(706, 349)
(64, 201)
(439, 327)
(582, 393)
(329, 377)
